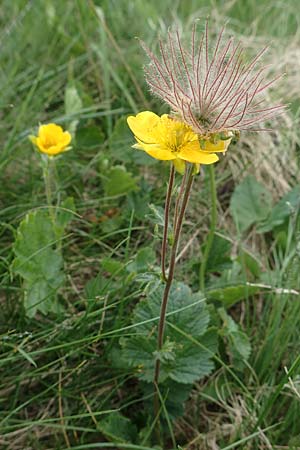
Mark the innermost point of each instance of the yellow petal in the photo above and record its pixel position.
(157, 153)
(66, 138)
(142, 125)
(193, 154)
(155, 150)
(50, 130)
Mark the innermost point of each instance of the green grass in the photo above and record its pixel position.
(58, 378)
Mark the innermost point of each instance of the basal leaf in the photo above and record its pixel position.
(38, 262)
(182, 360)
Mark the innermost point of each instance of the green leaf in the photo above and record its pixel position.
(181, 360)
(250, 203)
(38, 262)
(229, 295)
(219, 255)
(281, 211)
(119, 182)
(118, 428)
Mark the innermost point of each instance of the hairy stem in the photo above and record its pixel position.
(47, 173)
(212, 229)
(178, 200)
(162, 319)
(166, 222)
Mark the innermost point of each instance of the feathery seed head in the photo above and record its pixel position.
(211, 88)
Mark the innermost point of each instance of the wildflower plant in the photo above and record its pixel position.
(50, 141)
(38, 257)
(213, 93)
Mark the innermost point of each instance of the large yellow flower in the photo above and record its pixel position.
(51, 139)
(170, 140)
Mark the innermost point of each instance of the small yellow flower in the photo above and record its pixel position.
(51, 139)
(167, 139)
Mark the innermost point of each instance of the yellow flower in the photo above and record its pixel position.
(170, 140)
(51, 139)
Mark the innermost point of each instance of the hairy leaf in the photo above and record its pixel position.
(38, 262)
(182, 360)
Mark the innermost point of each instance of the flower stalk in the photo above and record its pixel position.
(170, 277)
(166, 222)
(48, 178)
(212, 229)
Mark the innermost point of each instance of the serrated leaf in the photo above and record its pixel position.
(194, 319)
(119, 182)
(188, 362)
(38, 262)
(193, 363)
(229, 295)
(250, 203)
(281, 211)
